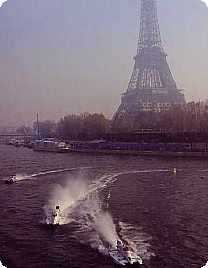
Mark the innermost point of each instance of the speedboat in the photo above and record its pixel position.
(51, 146)
(11, 180)
(124, 254)
(53, 216)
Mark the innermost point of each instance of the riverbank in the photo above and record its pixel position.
(141, 149)
(105, 147)
(143, 153)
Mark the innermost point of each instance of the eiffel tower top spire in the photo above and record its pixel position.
(149, 35)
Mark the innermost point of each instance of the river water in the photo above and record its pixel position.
(165, 215)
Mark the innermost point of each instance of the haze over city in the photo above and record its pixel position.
(60, 57)
(103, 133)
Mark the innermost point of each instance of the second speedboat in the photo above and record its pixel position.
(123, 254)
(11, 180)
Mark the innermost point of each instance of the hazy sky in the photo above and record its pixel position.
(64, 56)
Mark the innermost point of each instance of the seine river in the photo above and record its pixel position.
(164, 215)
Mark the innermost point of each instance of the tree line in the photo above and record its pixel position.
(73, 126)
(192, 117)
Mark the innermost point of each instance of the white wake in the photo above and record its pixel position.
(69, 196)
(2, 266)
(206, 265)
(110, 176)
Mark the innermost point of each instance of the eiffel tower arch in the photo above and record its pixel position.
(152, 86)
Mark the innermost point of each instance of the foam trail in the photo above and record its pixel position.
(137, 239)
(43, 173)
(66, 197)
(111, 177)
(107, 179)
(71, 195)
(96, 227)
(75, 191)
(20, 177)
(106, 228)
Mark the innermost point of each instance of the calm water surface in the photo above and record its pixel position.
(164, 214)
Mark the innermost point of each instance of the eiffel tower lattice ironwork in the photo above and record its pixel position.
(152, 86)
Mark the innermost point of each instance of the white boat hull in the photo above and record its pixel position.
(124, 255)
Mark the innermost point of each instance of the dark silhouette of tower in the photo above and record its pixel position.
(152, 86)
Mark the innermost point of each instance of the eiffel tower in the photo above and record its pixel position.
(152, 86)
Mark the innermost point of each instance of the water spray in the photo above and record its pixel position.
(65, 198)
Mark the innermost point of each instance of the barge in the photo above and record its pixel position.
(51, 146)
